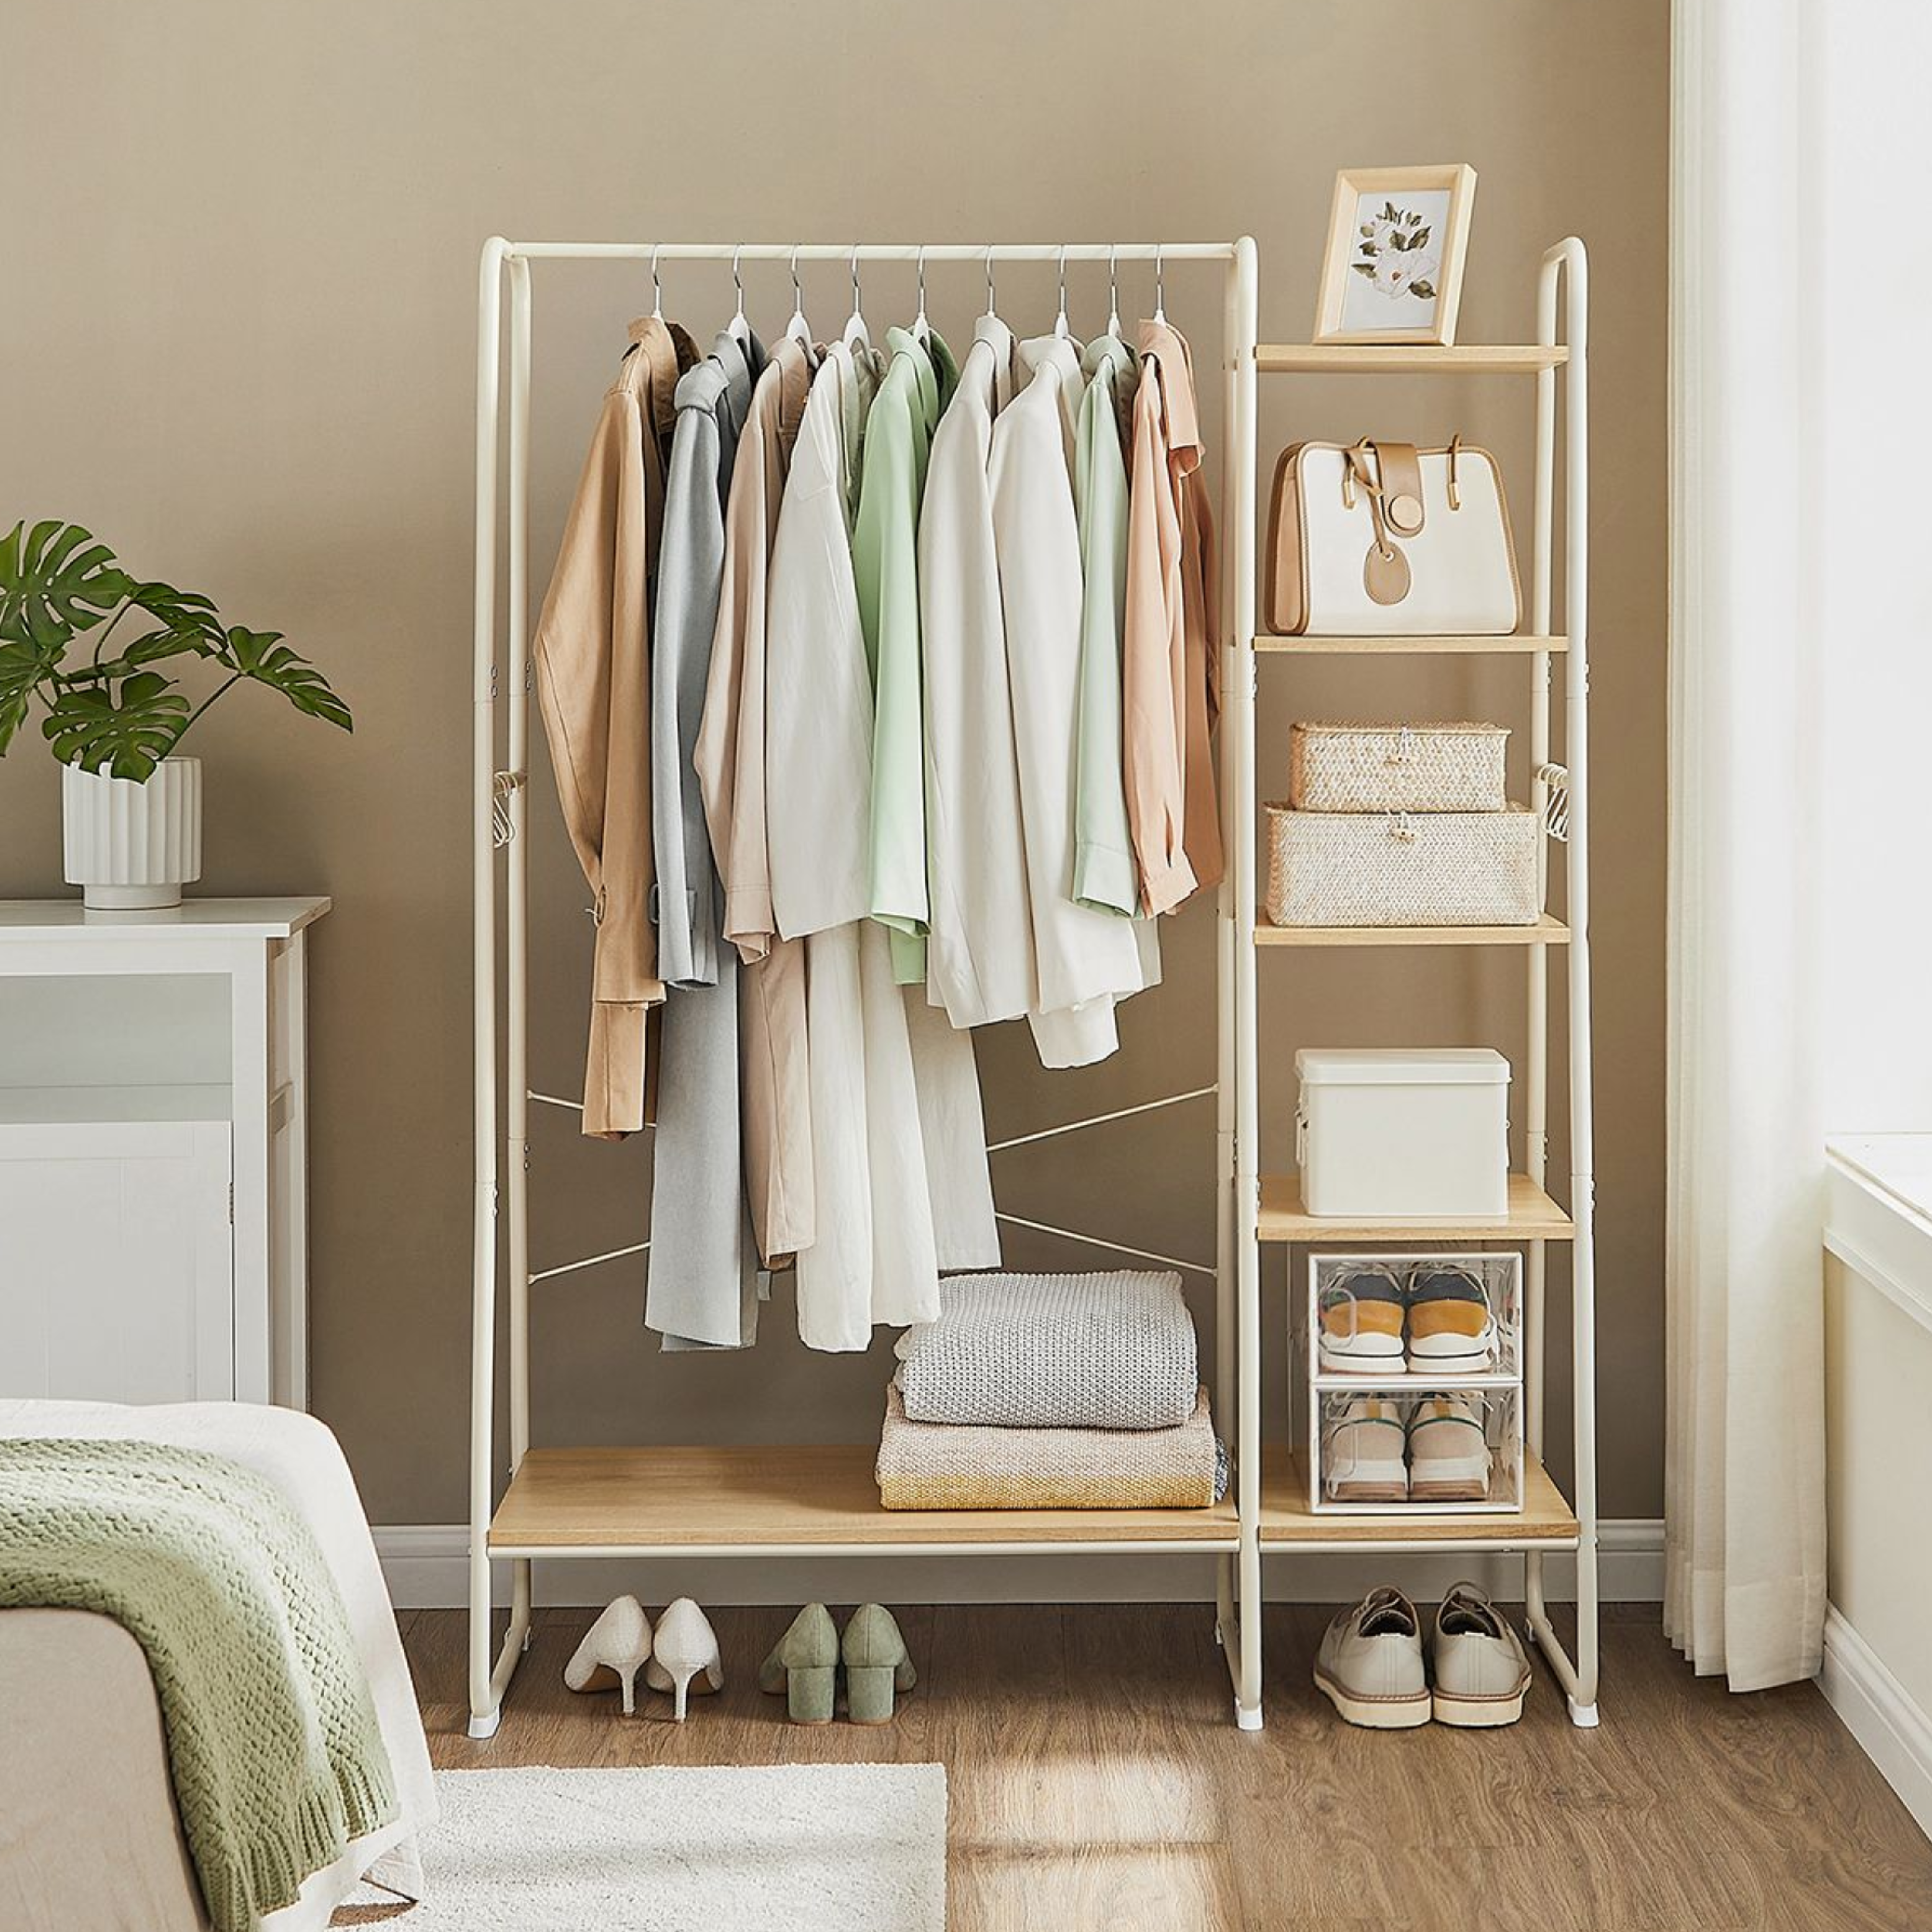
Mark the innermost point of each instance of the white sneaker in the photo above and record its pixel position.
(1363, 1452)
(1360, 1323)
(1369, 1666)
(1448, 1451)
(1477, 1662)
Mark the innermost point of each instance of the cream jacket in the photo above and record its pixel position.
(818, 690)
(1084, 957)
(1170, 674)
(730, 757)
(979, 952)
(592, 658)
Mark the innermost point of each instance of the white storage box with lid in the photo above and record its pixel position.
(1403, 1133)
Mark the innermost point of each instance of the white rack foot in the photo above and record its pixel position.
(1247, 1718)
(485, 1726)
(1583, 1716)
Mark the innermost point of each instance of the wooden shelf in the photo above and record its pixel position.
(1548, 931)
(1545, 1518)
(1532, 1217)
(562, 1501)
(1322, 644)
(1403, 359)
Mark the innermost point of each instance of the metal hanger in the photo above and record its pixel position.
(657, 287)
(1061, 330)
(1113, 292)
(1159, 285)
(798, 329)
(857, 335)
(738, 328)
(921, 329)
(989, 278)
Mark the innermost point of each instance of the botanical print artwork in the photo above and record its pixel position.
(1394, 261)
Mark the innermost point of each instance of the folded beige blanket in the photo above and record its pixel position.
(925, 1466)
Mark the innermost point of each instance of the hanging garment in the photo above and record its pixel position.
(919, 382)
(1170, 670)
(702, 1284)
(1085, 959)
(1104, 875)
(979, 952)
(591, 656)
(730, 758)
(901, 1181)
(818, 690)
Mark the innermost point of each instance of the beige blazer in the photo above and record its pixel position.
(591, 656)
(730, 757)
(1170, 668)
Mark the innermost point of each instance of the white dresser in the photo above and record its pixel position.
(154, 1227)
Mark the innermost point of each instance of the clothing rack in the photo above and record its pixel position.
(698, 1502)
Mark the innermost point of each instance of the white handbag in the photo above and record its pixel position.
(1383, 539)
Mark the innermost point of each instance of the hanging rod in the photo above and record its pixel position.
(975, 252)
(1099, 1120)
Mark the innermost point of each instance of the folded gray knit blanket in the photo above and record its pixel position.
(1111, 1351)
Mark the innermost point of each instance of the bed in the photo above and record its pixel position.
(89, 1834)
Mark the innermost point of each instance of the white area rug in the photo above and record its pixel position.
(784, 1848)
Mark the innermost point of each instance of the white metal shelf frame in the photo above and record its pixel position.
(500, 806)
(1563, 285)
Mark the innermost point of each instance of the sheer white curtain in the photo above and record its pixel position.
(1745, 1448)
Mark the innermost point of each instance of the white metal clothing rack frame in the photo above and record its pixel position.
(601, 1504)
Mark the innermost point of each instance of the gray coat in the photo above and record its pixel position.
(703, 1262)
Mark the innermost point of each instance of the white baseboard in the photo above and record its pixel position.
(1879, 1711)
(427, 1565)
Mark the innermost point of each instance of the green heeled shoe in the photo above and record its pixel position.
(803, 1664)
(876, 1664)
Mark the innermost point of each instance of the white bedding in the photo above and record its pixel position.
(301, 1456)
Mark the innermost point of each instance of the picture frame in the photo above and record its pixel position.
(1397, 239)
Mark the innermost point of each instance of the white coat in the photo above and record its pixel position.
(1085, 959)
(980, 953)
(901, 1183)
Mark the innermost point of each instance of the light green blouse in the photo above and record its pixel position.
(918, 384)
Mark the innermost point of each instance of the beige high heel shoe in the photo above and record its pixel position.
(685, 1644)
(618, 1642)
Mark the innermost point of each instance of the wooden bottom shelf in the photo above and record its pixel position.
(811, 1497)
(1546, 1518)
(563, 1502)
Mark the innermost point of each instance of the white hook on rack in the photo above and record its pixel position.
(657, 287)
(1060, 328)
(857, 335)
(1160, 283)
(738, 327)
(1113, 290)
(989, 278)
(798, 329)
(921, 329)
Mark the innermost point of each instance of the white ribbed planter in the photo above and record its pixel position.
(132, 846)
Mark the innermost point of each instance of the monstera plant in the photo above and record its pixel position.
(82, 638)
(96, 651)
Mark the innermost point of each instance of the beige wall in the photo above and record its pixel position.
(1878, 1430)
(236, 340)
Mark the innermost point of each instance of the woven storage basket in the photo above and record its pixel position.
(1398, 869)
(1397, 767)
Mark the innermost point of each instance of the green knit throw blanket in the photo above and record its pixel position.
(277, 1760)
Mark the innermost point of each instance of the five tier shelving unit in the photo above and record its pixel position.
(694, 1500)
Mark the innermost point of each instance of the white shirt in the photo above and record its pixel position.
(979, 954)
(1085, 959)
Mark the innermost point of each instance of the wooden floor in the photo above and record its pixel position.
(1095, 1781)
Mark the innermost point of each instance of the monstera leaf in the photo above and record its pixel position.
(55, 581)
(262, 655)
(126, 733)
